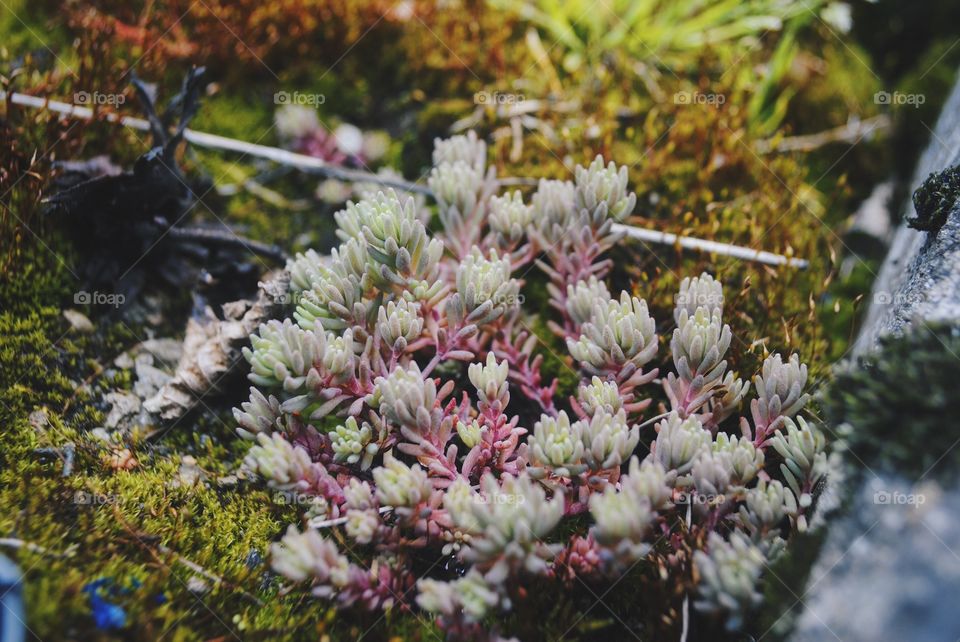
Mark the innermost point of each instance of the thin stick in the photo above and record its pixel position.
(314, 165)
(210, 575)
(13, 542)
(327, 523)
(309, 164)
(714, 247)
(852, 132)
(653, 420)
(178, 558)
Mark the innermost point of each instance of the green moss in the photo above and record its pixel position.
(783, 583)
(140, 528)
(893, 404)
(245, 117)
(24, 28)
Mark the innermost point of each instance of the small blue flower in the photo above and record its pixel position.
(106, 615)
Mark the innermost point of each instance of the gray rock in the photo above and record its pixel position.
(125, 408)
(78, 321)
(872, 218)
(124, 361)
(12, 614)
(149, 379)
(39, 419)
(920, 278)
(165, 351)
(890, 569)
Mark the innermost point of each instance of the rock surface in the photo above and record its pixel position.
(12, 616)
(891, 570)
(79, 321)
(920, 279)
(890, 567)
(124, 410)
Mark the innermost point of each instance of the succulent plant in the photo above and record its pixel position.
(766, 506)
(617, 333)
(680, 442)
(401, 485)
(309, 556)
(698, 292)
(259, 415)
(352, 442)
(510, 217)
(780, 393)
(599, 395)
(513, 515)
(804, 465)
(397, 242)
(608, 440)
(484, 282)
(698, 345)
(469, 596)
(602, 191)
(583, 297)
(283, 355)
(557, 445)
(403, 396)
(729, 570)
(625, 518)
(399, 324)
(553, 207)
(466, 148)
(490, 380)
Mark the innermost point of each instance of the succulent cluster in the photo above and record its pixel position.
(300, 130)
(392, 401)
(299, 127)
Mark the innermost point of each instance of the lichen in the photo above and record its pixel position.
(935, 199)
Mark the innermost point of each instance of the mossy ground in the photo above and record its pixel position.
(694, 169)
